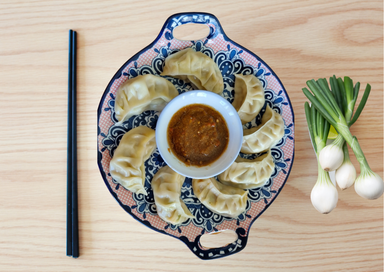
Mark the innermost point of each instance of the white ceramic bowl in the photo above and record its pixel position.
(233, 123)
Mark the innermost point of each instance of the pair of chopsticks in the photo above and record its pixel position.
(72, 213)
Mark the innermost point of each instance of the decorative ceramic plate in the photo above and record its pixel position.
(232, 59)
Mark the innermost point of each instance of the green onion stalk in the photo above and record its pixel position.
(324, 195)
(369, 184)
(336, 156)
(332, 156)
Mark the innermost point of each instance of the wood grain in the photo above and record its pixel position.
(300, 40)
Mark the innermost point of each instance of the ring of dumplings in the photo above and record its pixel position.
(229, 195)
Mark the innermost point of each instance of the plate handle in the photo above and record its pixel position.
(192, 17)
(214, 253)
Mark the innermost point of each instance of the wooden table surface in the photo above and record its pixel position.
(300, 40)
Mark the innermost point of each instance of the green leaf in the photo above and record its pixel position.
(322, 99)
(356, 91)
(318, 127)
(327, 126)
(320, 124)
(336, 91)
(348, 86)
(361, 105)
(343, 94)
(327, 92)
(313, 120)
(320, 107)
(307, 109)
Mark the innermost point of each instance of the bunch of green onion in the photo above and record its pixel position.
(336, 105)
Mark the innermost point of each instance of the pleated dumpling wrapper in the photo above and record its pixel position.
(142, 93)
(195, 67)
(127, 165)
(249, 174)
(220, 198)
(264, 136)
(166, 185)
(249, 97)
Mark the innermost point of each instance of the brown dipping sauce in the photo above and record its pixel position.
(197, 134)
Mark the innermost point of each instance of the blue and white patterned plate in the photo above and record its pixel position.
(232, 59)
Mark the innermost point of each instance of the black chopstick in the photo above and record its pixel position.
(72, 208)
(69, 151)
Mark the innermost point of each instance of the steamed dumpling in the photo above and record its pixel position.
(249, 97)
(249, 174)
(220, 198)
(166, 185)
(142, 93)
(195, 67)
(264, 136)
(127, 164)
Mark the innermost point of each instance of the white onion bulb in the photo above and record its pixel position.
(324, 195)
(369, 185)
(345, 175)
(331, 157)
